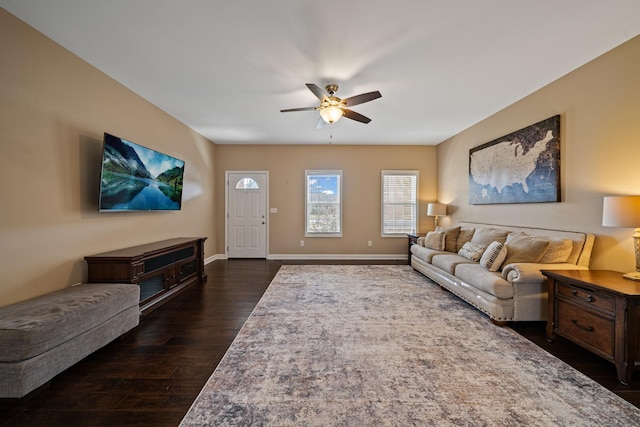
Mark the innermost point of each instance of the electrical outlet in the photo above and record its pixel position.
(301, 242)
(369, 243)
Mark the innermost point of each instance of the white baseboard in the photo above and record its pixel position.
(370, 257)
(214, 258)
(360, 257)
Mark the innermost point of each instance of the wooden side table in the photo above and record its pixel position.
(413, 239)
(598, 310)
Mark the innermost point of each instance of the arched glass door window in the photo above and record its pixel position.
(247, 184)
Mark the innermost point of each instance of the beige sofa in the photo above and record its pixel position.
(517, 290)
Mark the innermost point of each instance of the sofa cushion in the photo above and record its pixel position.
(434, 240)
(524, 248)
(487, 281)
(484, 236)
(494, 256)
(464, 236)
(449, 261)
(557, 252)
(31, 327)
(451, 237)
(425, 254)
(472, 251)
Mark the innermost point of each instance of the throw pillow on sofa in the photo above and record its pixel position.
(558, 251)
(464, 236)
(472, 251)
(522, 247)
(451, 237)
(494, 256)
(484, 236)
(434, 240)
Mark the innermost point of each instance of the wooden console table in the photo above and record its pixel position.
(598, 310)
(161, 269)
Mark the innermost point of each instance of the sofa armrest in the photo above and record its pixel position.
(530, 272)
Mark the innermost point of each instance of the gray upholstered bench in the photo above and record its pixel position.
(43, 336)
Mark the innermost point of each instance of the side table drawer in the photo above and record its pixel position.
(591, 329)
(587, 298)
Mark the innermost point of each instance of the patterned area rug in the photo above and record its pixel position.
(381, 345)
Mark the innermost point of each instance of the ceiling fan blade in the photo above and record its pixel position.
(317, 91)
(349, 114)
(299, 109)
(361, 99)
(320, 123)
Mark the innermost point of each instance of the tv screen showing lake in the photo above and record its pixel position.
(138, 178)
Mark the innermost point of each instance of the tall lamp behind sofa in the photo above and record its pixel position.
(437, 210)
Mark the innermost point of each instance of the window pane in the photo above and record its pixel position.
(399, 202)
(247, 184)
(323, 212)
(323, 218)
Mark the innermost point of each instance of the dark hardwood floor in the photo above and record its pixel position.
(152, 375)
(595, 367)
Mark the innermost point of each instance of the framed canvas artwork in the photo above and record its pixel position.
(521, 167)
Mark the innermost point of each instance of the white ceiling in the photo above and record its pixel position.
(226, 68)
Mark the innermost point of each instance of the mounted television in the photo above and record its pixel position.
(137, 178)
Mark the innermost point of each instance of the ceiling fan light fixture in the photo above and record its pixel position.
(331, 114)
(331, 107)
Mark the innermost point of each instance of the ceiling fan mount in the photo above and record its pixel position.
(331, 107)
(331, 89)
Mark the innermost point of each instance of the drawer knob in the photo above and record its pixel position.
(589, 298)
(586, 328)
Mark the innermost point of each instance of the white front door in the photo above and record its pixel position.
(247, 194)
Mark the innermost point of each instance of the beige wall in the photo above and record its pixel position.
(599, 106)
(54, 109)
(361, 167)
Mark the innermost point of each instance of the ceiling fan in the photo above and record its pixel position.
(332, 108)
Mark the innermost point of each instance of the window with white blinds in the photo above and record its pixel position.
(399, 202)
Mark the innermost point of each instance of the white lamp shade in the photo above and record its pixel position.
(436, 209)
(331, 114)
(621, 211)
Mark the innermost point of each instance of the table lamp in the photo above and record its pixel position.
(624, 211)
(437, 210)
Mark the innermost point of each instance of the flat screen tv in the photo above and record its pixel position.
(137, 178)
